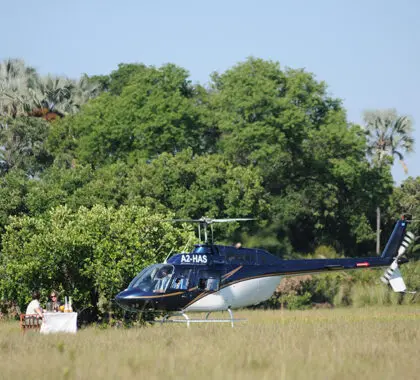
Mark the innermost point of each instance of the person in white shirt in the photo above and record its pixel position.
(34, 307)
(162, 282)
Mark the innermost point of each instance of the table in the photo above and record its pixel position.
(59, 322)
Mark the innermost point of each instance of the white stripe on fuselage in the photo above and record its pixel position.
(239, 294)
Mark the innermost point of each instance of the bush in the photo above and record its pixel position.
(353, 288)
(9, 310)
(88, 254)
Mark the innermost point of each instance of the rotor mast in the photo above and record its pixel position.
(204, 221)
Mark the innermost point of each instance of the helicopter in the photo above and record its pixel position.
(216, 277)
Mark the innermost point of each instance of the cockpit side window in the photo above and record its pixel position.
(181, 279)
(154, 278)
(208, 281)
(162, 278)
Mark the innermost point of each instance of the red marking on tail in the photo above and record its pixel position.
(365, 264)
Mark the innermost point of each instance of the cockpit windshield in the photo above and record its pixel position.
(154, 278)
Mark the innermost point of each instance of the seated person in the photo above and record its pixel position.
(54, 304)
(34, 307)
(202, 284)
(180, 283)
(162, 282)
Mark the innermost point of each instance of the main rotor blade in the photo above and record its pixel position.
(185, 220)
(227, 220)
(206, 220)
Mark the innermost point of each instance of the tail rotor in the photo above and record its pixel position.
(392, 276)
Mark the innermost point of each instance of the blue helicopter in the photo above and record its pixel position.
(221, 278)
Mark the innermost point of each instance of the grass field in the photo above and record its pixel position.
(369, 343)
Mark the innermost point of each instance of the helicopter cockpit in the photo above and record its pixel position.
(155, 278)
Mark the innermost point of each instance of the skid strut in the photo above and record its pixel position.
(188, 320)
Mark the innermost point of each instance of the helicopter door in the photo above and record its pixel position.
(182, 281)
(208, 281)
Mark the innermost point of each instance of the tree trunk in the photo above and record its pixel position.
(378, 230)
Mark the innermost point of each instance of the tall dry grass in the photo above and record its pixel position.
(368, 343)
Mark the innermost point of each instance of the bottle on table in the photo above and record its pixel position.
(66, 305)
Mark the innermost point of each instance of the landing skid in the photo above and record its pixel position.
(187, 320)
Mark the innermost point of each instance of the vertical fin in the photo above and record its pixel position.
(396, 239)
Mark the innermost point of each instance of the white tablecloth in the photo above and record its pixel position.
(59, 322)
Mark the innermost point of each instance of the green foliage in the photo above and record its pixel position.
(22, 145)
(356, 288)
(190, 186)
(15, 81)
(363, 296)
(261, 141)
(88, 254)
(313, 163)
(194, 186)
(155, 112)
(296, 302)
(406, 200)
(23, 92)
(325, 252)
(389, 135)
(363, 288)
(121, 77)
(13, 189)
(77, 186)
(279, 123)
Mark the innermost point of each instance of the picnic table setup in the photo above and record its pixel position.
(60, 320)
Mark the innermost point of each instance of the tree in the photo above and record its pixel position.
(389, 135)
(312, 161)
(22, 145)
(264, 115)
(13, 190)
(191, 186)
(88, 254)
(60, 96)
(194, 186)
(121, 77)
(406, 201)
(25, 93)
(156, 112)
(15, 81)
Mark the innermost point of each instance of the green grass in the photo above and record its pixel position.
(367, 343)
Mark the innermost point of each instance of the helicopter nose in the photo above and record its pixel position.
(130, 301)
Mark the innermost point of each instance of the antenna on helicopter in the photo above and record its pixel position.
(204, 221)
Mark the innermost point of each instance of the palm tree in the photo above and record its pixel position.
(388, 135)
(24, 92)
(61, 96)
(83, 90)
(15, 81)
(51, 94)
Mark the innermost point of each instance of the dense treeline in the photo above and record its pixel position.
(77, 156)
